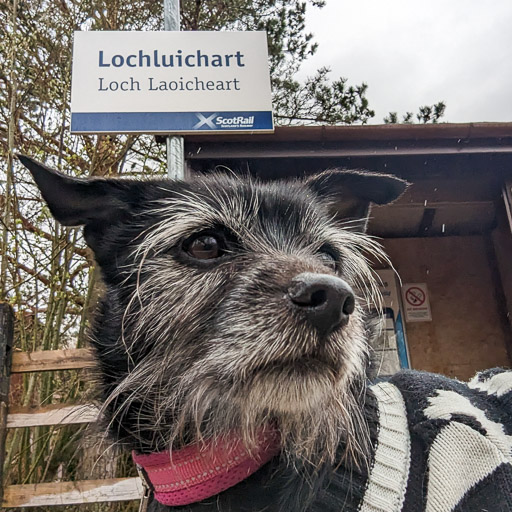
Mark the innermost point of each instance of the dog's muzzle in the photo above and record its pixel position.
(326, 301)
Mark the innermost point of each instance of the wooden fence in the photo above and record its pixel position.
(54, 493)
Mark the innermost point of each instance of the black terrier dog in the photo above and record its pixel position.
(233, 345)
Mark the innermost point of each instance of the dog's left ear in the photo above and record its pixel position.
(351, 193)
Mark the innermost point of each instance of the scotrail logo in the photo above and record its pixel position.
(235, 121)
(218, 121)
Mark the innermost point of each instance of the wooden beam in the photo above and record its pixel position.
(368, 132)
(72, 493)
(426, 222)
(258, 150)
(6, 341)
(50, 360)
(58, 414)
(498, 280)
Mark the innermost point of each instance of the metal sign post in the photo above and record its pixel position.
(175, 145)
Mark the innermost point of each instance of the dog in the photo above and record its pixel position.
(233, 342)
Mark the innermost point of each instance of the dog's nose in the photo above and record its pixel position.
(327, 301)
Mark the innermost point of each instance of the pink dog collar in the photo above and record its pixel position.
(197, 472)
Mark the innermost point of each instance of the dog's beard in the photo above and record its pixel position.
(314, 398)
(310, 386)
(313, 410)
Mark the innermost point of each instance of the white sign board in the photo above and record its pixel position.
(416, 302)
(165, 82)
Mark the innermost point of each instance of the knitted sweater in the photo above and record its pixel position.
(439, 445)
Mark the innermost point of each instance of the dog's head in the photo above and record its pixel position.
(229, 303)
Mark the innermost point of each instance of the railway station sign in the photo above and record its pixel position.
(170, 82)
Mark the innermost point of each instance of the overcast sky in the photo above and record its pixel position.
(417, 52)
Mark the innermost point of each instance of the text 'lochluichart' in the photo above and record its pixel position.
(157, 59)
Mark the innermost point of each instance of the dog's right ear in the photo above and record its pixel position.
(352, 192)
(94, 202)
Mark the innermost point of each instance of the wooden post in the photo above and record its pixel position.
(6, 341)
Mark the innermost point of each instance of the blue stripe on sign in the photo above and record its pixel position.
(147, 122)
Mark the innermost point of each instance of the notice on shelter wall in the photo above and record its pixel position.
(416, 302)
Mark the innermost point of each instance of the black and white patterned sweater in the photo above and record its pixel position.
(440, 445)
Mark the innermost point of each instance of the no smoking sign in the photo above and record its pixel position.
(416, 302)
(415, 296)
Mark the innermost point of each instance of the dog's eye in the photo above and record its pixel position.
(204, 247)
(328, 259)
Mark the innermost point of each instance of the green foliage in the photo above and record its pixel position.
(320, 101)
(426, 114)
